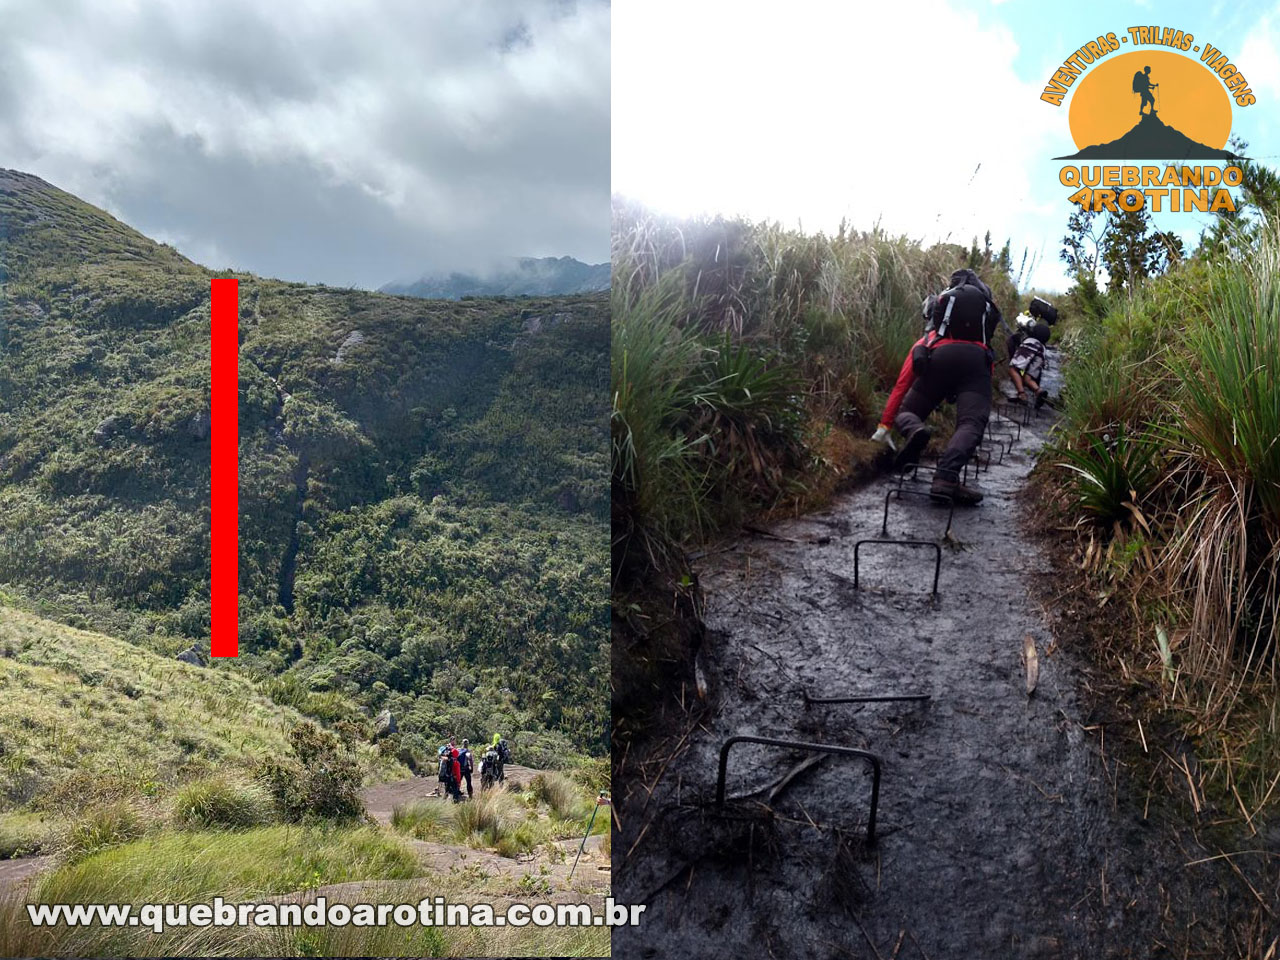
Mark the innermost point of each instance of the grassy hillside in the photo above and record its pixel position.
(422, 483)
(82, 709)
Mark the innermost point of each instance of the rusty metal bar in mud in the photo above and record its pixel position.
(900, 490)
(1015, 422)
(937, 564)
(1000, 445)
(1008, 408)
(871, 758)
(1005, 435)
(894, 699)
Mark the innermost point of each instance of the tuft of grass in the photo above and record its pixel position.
(23, 834)
(187, 866)
(1113, 475)
(221, 802)
(422, 819)
(487, 818)
(559, 793)
(102, 827)
(1185, 377)
(1225, 433)
(194, 867)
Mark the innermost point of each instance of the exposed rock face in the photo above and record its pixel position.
(384, 725)
(107, 429)
(354, 339)
(192, 656)
(538, 324)
(198, 426)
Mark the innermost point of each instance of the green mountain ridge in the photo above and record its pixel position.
(423, 499)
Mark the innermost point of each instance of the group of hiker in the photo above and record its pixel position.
(954, 361)
(456, 765)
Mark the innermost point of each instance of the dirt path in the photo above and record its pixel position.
(441, 858)
(381, 800)
(15, 874)
(1002, 828)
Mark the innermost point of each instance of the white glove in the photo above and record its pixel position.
(882, 436)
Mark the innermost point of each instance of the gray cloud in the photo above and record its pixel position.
(322, 140)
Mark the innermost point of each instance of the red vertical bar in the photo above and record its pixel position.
(224, 456)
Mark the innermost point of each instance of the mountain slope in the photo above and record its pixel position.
(1151, 139)
(422, 483)
(522, 277)
(80, 706)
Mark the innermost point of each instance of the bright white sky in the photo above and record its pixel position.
(922, 114)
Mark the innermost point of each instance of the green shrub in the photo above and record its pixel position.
(322, 779)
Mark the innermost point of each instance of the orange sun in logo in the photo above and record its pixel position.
(1189, 98)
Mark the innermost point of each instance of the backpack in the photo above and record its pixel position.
(965, 310)
(504, 752)
(1042, 309)
(446, 768)
(1139, 82)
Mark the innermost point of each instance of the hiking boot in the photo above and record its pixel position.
(946, 491)
(1042, 398)
(912, 449)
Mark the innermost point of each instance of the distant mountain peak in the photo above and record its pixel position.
(512, 277)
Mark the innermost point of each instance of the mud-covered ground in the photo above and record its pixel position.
(1004, 827)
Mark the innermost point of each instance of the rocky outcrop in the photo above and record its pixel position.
(384, 725)
(106, 429)
(353, 340)
(198, 425)
(193, 656)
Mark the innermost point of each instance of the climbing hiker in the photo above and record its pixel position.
(465, 763)
(953, 361)
(1142, 84)
(1038, 310)
(1026, 364)
(882, 434)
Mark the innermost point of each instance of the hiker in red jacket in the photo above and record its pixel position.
(454, 754)
(953, 361)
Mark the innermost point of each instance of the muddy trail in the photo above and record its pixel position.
(1003, 827)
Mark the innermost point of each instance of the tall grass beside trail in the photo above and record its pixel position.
(740, 350)
(1169, 457)
(194, 867)
(1225, 435)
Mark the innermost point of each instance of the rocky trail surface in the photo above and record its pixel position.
(1004, 829)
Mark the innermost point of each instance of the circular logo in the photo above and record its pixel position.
(1150, 96)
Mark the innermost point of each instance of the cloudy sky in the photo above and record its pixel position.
(350, 142)
(921, 114)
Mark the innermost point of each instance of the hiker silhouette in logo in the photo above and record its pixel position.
(1142, 84)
